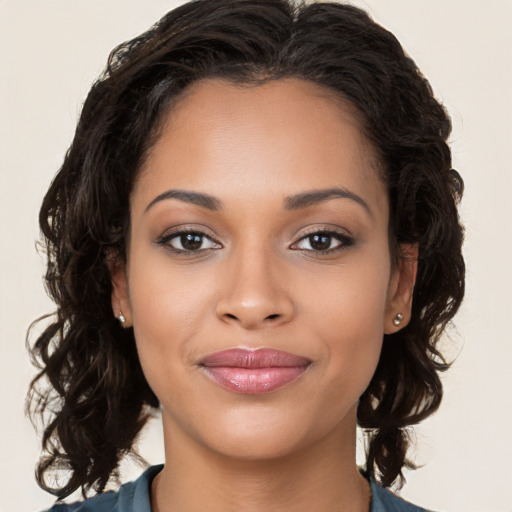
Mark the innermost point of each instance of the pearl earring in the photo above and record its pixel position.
(398, 319)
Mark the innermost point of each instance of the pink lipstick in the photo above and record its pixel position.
(253, 371)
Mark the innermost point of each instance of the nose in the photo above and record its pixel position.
(254, 293)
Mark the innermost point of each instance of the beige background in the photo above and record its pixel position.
(51, 50)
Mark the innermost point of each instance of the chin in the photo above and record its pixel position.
(265, 433)
(280, 424)
(258, 446)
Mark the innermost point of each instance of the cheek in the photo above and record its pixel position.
(168, 307)
(347, 310)
(351, 296)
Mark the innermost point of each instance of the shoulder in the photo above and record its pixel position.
(131, 497)
(385, 501)
(99, 503)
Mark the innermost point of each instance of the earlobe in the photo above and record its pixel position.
(401, 288)
(120, 296)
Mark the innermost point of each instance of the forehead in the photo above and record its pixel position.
(283, 136)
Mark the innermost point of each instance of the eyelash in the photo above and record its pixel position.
(345, 240)
(164, 241)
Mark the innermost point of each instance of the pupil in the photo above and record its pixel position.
(320, 242)
(191, 241)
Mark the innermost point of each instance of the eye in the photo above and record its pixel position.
(188, 241)
(323, 242)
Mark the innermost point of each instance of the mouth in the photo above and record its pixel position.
(253, 372)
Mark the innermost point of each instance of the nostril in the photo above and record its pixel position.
(229, 315)
(272, 317)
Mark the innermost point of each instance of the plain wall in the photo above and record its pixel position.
(51, 51)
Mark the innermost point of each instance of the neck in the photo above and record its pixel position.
(322, 477)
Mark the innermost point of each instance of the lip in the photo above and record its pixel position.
(253, 371)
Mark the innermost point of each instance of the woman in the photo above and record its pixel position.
(255, 229)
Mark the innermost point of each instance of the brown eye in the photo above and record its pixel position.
(324, 242)
(320, 242)
(188, 241)
(191, 241)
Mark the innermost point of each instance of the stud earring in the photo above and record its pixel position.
(398, 319)
(121, 318)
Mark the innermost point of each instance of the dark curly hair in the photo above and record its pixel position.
(90, 388)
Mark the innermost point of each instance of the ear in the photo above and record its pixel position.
(120, 298)
(400, 290)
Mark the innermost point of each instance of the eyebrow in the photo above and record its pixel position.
(314, 197)
(204, 200)
(295, 202)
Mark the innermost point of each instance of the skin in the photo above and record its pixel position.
(257, 281)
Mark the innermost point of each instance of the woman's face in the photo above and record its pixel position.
(259, 281)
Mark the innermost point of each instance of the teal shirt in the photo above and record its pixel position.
(135, 497)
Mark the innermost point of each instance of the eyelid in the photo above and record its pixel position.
(346, 239)
(342, 235)
(176, 231)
